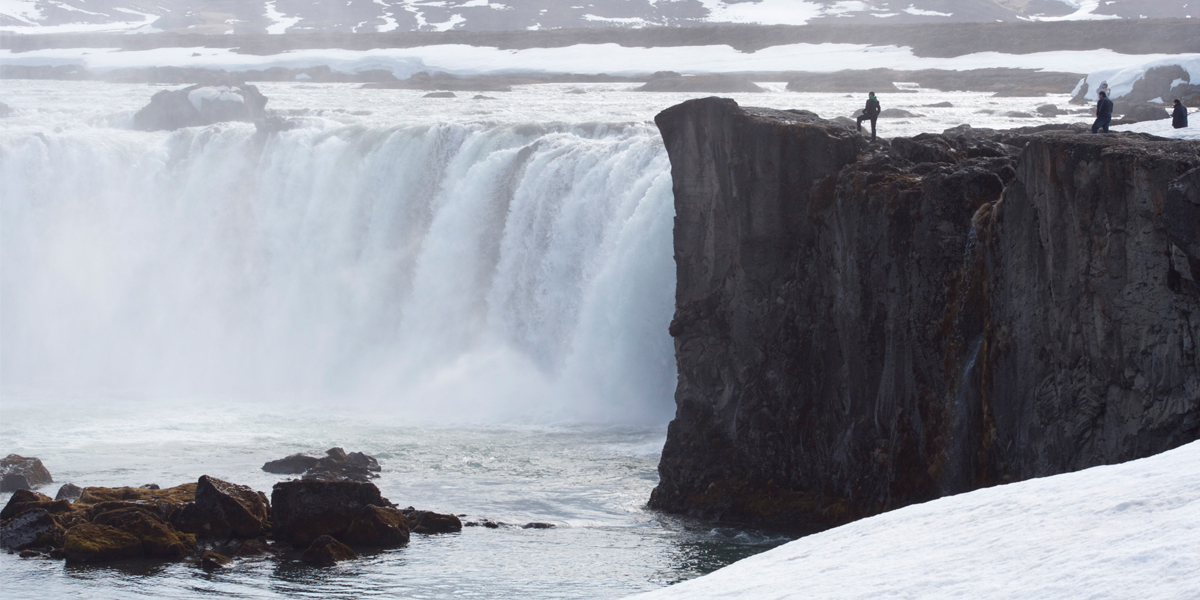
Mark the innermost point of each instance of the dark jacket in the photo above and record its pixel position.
(1179, 116)
(872, 110)
(1104, 108)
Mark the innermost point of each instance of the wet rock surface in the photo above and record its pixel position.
(423, 521)
(326, 551)
(19, 472)
(863, 326)
(199, 105)
(336, 464)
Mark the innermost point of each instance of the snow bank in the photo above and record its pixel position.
(1121, 78)
(1163, 127)
(594, 58)
(1121, 531)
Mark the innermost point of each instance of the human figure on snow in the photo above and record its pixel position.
(1179, 115)
(871, 112)
(1103, 88)
(1103, 114)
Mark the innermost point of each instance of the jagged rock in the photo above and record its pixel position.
(335, 464)
(88, 542)
(307, 509)
(426, 522)
(159, 539)
(18, 502)
(195, 520)
(244, 509)
(200, 105)
(68, 491)
(34, 528)
(377, 526)
(855, 332)
(213, 561)
(667, 81)
(294, 464)
(18, 472)
(326, 552)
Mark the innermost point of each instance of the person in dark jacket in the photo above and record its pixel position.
(1179, 115)
(1103, 114)
(871, 112)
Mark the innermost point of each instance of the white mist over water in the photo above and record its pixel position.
(451, 271)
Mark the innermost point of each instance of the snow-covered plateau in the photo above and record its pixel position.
(1118, 531)
(359, 16)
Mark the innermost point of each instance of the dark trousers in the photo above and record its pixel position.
(862, 118)
(1101, 124)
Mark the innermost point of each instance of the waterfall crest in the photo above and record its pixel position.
(463, 271)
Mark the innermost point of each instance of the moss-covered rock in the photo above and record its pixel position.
(212, 561)
(89, 542)
(159, 539)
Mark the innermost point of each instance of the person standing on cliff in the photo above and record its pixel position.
(1179, 115)
(1104, 110)
(871, 112)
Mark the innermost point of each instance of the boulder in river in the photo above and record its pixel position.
(379, 526)
(325, 551)
(336, 463)
(159, 539)
(200, 105)
(307, 509)
(18, 472)
(245, 510)
(427, 522)
(68, 491)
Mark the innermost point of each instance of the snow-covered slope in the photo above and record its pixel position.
(295, 16)
(1120, 531)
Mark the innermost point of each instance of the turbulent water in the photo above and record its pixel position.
(475, 290)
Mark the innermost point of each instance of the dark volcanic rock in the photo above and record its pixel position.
(307, 509)
(334, 465)
(18, 472)
(295, 464)
(68, 491)
(426, 522)
(378, 526)
(213, 561)
(326, 552)
(23, 500)
(201, 105)
(33, 528)
(245, 510)
(860, 329)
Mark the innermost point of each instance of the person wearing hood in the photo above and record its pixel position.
(1104, 110)
(870, 112)
(1179, 115)
(1103, 88)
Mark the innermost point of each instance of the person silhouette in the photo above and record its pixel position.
(871, 112)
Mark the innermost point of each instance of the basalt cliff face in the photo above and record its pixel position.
(863, 326)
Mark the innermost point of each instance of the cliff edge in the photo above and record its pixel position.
(860, 327)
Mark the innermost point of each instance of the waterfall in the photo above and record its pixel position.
(457, 271)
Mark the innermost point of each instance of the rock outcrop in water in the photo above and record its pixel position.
(201, 105)
(21, 473)
(860, 327)
(336, 463)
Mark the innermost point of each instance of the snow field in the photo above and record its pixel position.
(1118, 531)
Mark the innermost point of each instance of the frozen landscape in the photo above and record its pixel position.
(477, 290)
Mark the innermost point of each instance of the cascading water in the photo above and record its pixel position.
(456, 271)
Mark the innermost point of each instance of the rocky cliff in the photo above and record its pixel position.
(859, 327)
